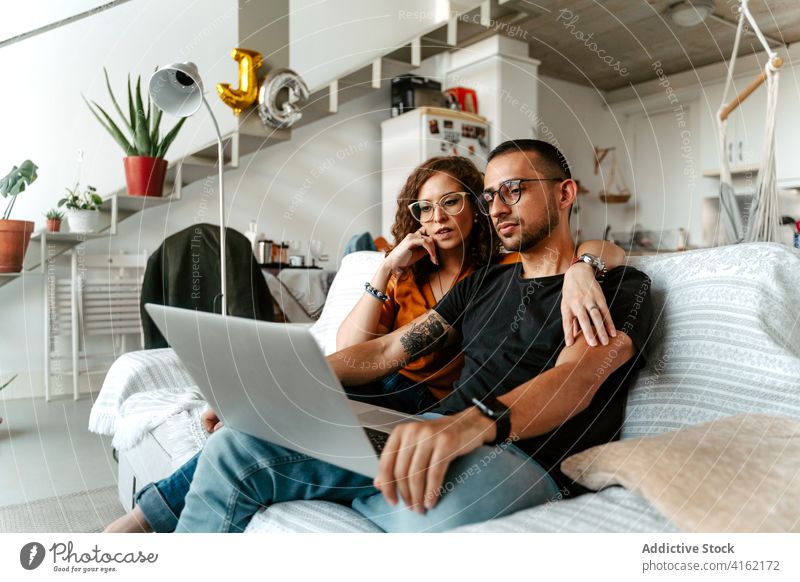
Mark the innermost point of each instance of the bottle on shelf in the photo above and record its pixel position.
(264, 254)
(253, 235)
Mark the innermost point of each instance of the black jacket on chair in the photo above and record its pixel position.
(185, 272)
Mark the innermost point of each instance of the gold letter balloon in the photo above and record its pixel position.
(247, 93)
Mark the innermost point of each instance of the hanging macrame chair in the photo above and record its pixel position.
(764, 219)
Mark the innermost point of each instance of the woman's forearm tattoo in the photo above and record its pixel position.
(429, 335)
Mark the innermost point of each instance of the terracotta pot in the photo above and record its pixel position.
(14, 238)
(145, 176)
(53, 225)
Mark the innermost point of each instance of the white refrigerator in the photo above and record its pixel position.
(416, 136)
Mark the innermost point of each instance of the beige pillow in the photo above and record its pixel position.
(736, 474)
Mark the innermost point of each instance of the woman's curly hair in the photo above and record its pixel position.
(482, 246)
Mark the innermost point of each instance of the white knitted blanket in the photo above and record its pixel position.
(140, 391)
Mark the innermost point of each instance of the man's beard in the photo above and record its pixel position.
(535, 234)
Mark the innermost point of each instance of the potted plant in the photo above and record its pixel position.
(145, 166)
(15, 234)
(54, 218)
(83, 209)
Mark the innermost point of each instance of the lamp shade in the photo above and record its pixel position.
(177, 89)
(691, 12)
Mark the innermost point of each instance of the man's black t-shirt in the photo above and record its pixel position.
(511, 330)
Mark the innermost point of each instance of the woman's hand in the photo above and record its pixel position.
(410, 250)
(210, 420)
(583, 307)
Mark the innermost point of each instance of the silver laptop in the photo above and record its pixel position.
(272, 381)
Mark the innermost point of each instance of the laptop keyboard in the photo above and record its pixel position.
(377, 439)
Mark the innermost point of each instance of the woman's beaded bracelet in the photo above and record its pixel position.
(380, 296)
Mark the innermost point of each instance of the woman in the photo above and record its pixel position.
(443, 238)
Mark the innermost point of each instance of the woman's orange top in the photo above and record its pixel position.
(407, 301)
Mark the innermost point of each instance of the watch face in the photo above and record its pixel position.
(595, 262)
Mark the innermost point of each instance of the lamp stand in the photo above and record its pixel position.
(221, 167)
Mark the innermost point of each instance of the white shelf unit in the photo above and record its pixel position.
(83, 306)
(114, 307)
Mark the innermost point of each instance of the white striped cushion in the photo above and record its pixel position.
(611, 510)
(727, 339)
(310, 516)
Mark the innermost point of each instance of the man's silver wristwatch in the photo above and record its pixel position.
(597, 264)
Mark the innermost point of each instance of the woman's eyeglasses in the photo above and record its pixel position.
(509, 191)
(452, 203)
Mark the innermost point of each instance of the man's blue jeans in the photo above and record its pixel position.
(162, 502)
(238, 474)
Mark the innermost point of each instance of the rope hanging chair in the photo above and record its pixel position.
(764, 218)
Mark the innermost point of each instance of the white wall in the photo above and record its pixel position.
(45, 119)
(331, 38)
(574, 118)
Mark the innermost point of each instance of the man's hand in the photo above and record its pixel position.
(417, 454)
(210, 420)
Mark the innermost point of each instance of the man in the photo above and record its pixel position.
(519, 384)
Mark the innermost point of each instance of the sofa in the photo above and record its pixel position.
(726, 341)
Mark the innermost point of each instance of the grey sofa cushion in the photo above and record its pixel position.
(727, 339)
(612, 510)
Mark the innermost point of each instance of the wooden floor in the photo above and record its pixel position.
(46, 450)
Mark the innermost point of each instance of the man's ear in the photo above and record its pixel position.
(568, 193)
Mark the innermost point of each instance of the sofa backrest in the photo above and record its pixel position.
(726, 341)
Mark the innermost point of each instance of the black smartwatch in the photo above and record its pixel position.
(492, 408)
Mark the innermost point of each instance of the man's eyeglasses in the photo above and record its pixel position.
(452, 203)
(509, 191)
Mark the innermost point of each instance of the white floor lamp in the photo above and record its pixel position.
(178, 90)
